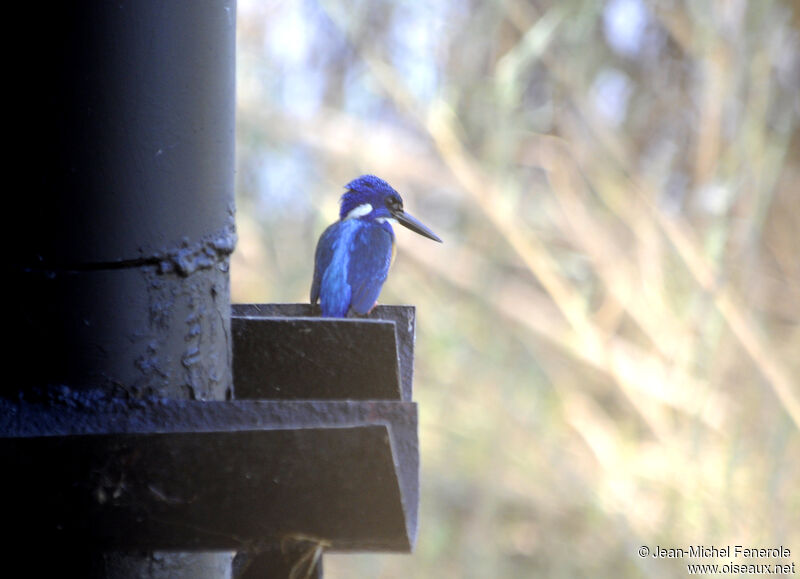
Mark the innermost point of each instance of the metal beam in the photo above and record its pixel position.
(286, 351)
(188, 475)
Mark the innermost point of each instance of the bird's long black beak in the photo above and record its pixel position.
(415, 225)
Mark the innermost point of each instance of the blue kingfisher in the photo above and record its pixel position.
(354, 254)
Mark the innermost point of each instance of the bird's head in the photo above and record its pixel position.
(371, 198)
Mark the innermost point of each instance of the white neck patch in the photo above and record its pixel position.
(360, 211)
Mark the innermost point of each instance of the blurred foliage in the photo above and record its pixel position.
(608, 343)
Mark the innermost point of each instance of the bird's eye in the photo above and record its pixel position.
(393, 203)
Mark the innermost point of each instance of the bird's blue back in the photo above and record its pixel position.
(352, 261)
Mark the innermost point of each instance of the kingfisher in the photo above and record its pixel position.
(354, 254)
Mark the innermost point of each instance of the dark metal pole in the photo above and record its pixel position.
(126, 221)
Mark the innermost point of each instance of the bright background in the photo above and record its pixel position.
(608, 342)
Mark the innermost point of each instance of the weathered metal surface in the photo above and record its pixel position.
(119, 276)
(286, 351)
(183, 475)
(134, 331)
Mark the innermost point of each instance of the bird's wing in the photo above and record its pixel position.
(370, 258)
(322, 260)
